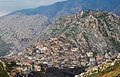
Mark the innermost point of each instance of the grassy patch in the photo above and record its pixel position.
(3, 72)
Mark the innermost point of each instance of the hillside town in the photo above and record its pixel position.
(61, 53)
(59, 38)
(27, 65)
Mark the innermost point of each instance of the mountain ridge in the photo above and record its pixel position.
(22, 30)
(65, 7)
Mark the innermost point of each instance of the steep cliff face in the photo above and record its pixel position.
(96, 31)
(22, 30)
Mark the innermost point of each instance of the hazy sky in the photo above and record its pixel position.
(7, 6)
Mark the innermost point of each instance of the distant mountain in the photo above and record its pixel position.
(22, 30)
(96, 31)
(72, 6)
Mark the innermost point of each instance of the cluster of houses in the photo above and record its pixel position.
(53, 56)
(95, 69)
(57, 52)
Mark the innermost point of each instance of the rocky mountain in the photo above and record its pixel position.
(22, 27)
(72, 6)
(4, 47)
(22, 30)
(96, 31)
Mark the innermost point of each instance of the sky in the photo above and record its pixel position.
(8, 6)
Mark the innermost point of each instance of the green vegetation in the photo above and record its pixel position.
(111, 71)
(3, 72)
(115, 44)
(93, 75)
(10, 66)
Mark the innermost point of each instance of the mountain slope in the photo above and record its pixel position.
(72, 6)
(22, 30)
(107, 69)
(96, 31)
(4, 47)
